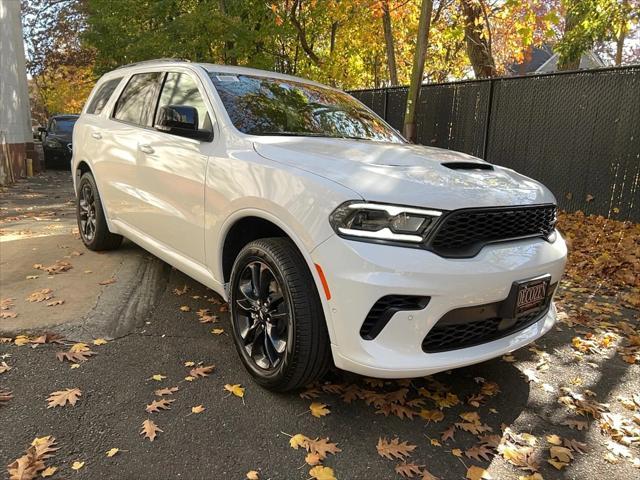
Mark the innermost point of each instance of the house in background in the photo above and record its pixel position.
(544, 60)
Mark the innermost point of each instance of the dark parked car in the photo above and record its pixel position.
(56, 140)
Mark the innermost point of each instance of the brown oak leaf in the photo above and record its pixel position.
(157, 405)
(394, 448)
(149, 430)
(62, 397)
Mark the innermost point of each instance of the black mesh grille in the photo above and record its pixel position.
(385, 308)
(450, 337)
(463, 233)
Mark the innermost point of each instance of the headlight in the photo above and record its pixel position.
(383, 223)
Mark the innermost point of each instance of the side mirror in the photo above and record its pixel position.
(181, 120)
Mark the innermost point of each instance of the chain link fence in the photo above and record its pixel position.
(576, 132)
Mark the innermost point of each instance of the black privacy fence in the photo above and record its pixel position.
(576, 132)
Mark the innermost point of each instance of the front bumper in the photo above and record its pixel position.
(359, 274)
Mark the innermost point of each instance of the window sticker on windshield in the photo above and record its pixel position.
(227, 78)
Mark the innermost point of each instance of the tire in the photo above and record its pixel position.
(306, 356)
(98, 237)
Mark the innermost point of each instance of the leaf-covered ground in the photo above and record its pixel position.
(171, 399)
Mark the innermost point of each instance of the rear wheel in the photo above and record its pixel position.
(278, 324)
(92, 223)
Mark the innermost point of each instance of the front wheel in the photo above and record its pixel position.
(92, 223)
(278, 324)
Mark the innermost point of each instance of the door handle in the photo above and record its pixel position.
(146, 148)
(96, 135)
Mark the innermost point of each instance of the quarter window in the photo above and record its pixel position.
(181, 89)
(102, 96)
(137, 101)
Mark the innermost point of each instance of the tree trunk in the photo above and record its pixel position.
(388, 38)
(302, 34)
(565, 63)
(478, 43)
(622, 36)
(418, 70)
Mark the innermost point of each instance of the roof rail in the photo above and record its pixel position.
(155, 60)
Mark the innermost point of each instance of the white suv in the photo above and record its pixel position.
(330, 236)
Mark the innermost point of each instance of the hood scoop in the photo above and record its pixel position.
(467, 166)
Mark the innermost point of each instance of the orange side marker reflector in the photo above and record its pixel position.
(325, 285)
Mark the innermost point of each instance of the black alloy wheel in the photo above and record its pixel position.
(87, 213)
(92, 223)
(263, 315)
(277, 319)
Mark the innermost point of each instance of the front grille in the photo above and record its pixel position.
(471, 326)
(463, 233)
(385, 308)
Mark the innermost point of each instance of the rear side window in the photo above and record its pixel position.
(137, 101)
(102, 96)
(181, 89)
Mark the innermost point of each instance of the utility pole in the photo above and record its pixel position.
(16, 138)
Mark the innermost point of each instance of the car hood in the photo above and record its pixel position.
(406, 174)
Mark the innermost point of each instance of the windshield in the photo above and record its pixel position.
(271, 106)
(63, 125)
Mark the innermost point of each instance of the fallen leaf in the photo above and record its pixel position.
(319, 409)
(253, 475)
(199, 372)
(236, 389)
(432, 415)
(47, 472)
(185, 308)
(407, 470)
(312, 459)
(62, 397)
(75, 356)
(217, 331)
(108, 281)
(166, 391)
(111, 452)
(394, 449)
(4, 367)
(55, 303)
(157, 405)
(180, 291)
(77, 465)
(158, 377)
(322, 473)
(554, 439)
(149, 430)
(197, 409)
(99, 341)
(40, 295)
(477, 473)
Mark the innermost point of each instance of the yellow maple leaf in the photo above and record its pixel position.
(189, 378)
(185, 308)
(477, 473)
(435, 442)
(318, 409)
(457, 452)
(99, 341)
(77, 465)
(158, 377)
(217, 331)
(197, 409)
(189, 364)
(21, 340)
(79, 347)
(236, 389)
(253, 475)
(322, 473)
(47, 472)
(112, 452)
(297, 441)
